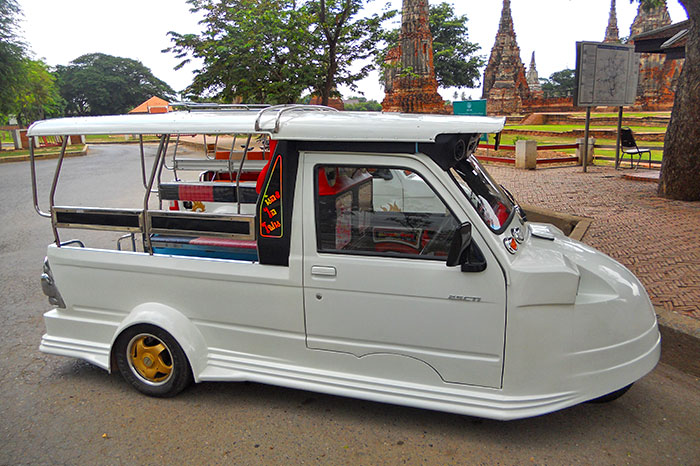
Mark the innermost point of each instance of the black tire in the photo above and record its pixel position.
(612, 396)
(152, 361)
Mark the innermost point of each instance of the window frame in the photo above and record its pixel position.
(364, 253)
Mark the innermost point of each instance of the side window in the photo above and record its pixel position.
(380, 211)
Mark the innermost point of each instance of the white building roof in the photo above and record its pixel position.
(299, 124)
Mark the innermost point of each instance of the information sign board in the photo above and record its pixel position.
(606, 74)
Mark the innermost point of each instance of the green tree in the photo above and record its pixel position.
(559, 84)
(37, 96)
(455, 59)
(456, 62)
(680, 169)
(341, 40)
(254, 51)
(12, 55)
(363, 105)
(271, 51)
(100, 84)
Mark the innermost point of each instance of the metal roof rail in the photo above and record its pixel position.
(208, 106)
(286, 108)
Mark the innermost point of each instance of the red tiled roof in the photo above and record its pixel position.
(153, 105)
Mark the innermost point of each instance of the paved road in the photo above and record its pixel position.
(57, 410)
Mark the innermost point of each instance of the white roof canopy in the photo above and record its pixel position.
(292, 124)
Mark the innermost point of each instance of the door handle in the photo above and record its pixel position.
(323, 271)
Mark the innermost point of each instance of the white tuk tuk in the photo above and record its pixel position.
(368, 255)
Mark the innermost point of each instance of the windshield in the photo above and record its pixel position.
(487, 197)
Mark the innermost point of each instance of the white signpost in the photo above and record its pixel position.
(606, 75)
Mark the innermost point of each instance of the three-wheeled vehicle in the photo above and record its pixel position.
(362, 254)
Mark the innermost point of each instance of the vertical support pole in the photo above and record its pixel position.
(617, 146)
(35, 194)
(585, 139)
(238, 175)
(52, 195)
(143, 161)
(146, 221)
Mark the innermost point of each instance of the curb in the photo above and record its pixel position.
(680, 341)
(573, 226)
(48, 156)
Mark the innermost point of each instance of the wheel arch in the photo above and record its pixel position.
(176, 324)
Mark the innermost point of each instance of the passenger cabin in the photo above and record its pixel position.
(240, 202)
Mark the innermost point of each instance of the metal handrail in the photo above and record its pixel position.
(143, 161)
(285, 108)
(154, 171)
(54, 184)
(238, 175)
(190, 106)
(35, 194)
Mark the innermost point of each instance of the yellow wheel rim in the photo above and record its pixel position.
(150, 359)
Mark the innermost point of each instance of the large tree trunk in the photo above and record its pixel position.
(680, 170)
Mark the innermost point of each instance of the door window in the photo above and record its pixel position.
(380, 211)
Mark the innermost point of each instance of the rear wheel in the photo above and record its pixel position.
(151, 360)
(612, 396)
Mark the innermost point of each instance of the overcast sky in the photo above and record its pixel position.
(62, 30)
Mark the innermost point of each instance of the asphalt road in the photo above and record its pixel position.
(56, 410)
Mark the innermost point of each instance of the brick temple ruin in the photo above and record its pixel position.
(658, 76)
(410, 82)
(510, 89)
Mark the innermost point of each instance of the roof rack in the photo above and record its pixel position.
(282, 109)
(208, 106)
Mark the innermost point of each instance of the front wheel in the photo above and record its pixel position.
(151, 360)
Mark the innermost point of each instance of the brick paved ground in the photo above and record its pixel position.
(657, 239)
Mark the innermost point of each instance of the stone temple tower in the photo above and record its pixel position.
(658, 77)
(533, 79)
(410, 82)
(612, 33)
(505, 85)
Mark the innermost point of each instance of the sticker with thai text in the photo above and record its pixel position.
(271, 204)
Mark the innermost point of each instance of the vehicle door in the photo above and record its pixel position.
(376, 280)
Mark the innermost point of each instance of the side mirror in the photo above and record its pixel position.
(464, 253)
(461, 241)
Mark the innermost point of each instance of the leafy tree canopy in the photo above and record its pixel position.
(12, 54)
(341, 40)
(252, 50)
(361, 104)
(271, 51)
(559, 84)
(100, 84)
(455, 61)
(37, 95)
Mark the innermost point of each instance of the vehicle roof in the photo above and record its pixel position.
(292, 125)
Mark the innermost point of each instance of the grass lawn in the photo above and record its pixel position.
(42, 151)
(510, 139)
(564, 128)
(118, 138)
(624, 114)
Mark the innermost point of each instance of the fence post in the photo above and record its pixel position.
(579, 151)
(526, 154)
(16, 139)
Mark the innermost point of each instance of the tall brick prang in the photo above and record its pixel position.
(410, 82)
(612, 33)
(505, 84)
(533, 79)
(658, 77)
